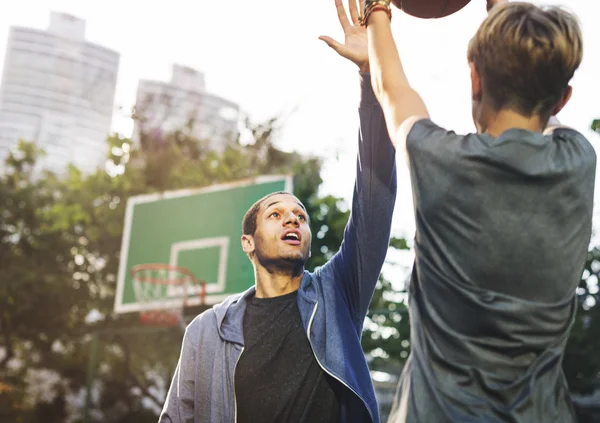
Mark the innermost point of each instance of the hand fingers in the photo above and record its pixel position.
(353, 11)
(341, 12)
(338, 47)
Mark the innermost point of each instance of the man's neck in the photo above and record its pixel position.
(508, 119)
(276, 282)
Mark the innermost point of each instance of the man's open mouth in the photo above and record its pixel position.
(292, 238)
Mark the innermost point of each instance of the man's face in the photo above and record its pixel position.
(282, 234)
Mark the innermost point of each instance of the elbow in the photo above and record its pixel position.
(381, 86)
(387, 90)
(377, 84)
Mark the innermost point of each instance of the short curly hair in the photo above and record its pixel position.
(526, 55)
(249, 221)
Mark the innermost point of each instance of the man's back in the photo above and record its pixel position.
(503, 226)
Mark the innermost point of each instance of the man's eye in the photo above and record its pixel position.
(274, 214)
(301, 217)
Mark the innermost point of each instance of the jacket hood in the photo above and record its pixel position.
(230, 313)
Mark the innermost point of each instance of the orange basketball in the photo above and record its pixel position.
(429, 9)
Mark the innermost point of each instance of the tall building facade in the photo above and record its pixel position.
(184, 104)
(58, 90)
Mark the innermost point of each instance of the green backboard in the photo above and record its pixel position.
(196, 229)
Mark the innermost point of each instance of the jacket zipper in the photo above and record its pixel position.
(234, 396)
(324, 369)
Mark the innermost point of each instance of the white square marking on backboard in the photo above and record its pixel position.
(197, 244)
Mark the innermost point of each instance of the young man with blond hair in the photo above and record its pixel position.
(503, 221)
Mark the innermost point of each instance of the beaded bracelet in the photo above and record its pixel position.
(372, 6)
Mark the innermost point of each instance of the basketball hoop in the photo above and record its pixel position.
(163, 291)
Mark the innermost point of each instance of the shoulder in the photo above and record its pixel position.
(419, 132)
(563, 133)
(208, 319)
(417, 125)
(201, 322)
(314, 282)
(231, 300)
(424, 139)
(574, 148)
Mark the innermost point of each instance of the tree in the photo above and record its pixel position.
(386, 337)
(36, 280)
(582, 361)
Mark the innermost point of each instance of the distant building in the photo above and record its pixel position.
(183, 103)
(58, 90)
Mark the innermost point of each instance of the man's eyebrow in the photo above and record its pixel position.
(275, 202)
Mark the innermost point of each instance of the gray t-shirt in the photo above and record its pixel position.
(503, 227)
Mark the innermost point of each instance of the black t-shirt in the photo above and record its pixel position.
(503, 226)
(277, 378)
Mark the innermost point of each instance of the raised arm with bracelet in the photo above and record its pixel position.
(401, 104)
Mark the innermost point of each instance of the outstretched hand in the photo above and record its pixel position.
(355, 46)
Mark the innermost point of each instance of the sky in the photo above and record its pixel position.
(265, 56)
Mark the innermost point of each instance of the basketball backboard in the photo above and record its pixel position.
(196, 229)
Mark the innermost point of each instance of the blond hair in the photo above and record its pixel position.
(526, 55)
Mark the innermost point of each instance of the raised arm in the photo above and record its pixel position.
(357, 265)
(401, 104)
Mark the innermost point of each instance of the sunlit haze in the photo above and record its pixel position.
(266, 57)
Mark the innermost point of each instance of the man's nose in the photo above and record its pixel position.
(291, 219)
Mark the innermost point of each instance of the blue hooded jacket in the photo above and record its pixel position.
(333, 301)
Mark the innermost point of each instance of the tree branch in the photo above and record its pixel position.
(10, 353)
(136, 381)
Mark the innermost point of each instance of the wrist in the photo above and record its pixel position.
(372, 7)
(378, 16)
(367, 95)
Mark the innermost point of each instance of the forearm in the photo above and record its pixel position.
(398, 100)
(356, 266)
(385, 64)
(374, 198)
(376, 154)
(387, 72)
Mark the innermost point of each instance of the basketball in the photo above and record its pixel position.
(430, 9)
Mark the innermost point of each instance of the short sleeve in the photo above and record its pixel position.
(434, 155)
(427, 138)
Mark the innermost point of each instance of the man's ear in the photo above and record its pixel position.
(563, 101)
(476, 91)
(248, 244)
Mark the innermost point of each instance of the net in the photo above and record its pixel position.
(163, 291)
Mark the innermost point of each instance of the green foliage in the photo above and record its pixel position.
(582, 361)
(386, 337)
